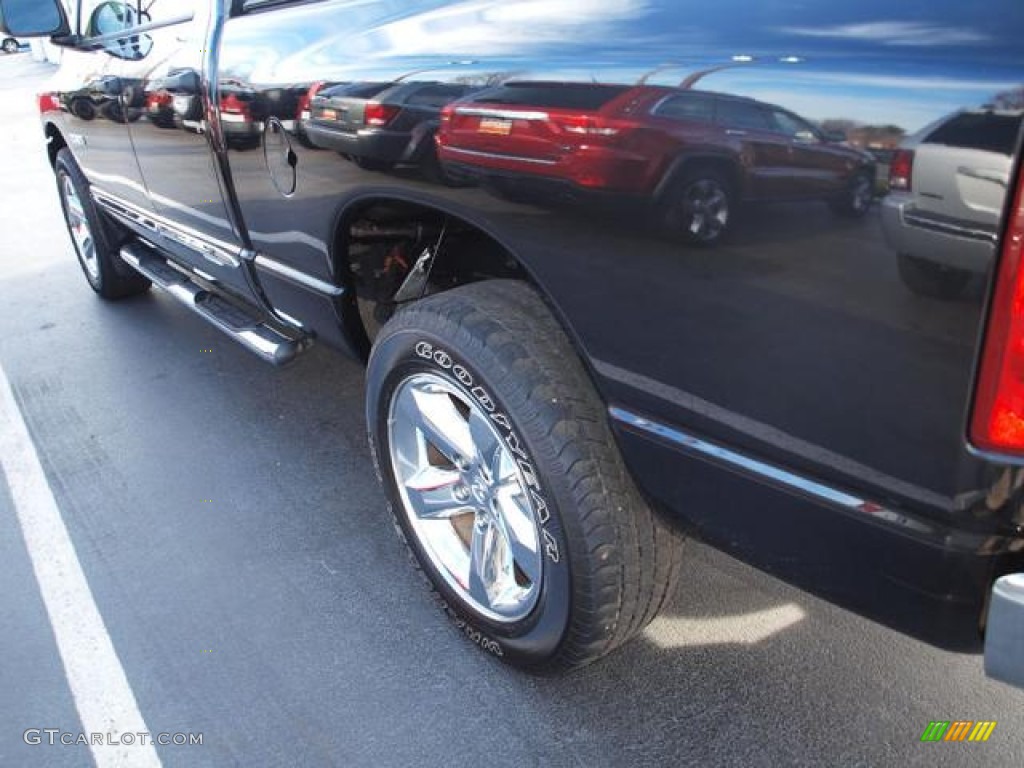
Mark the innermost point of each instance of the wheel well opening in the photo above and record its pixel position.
(722, 165)
(394, 252)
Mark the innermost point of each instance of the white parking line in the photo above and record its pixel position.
(103, 698)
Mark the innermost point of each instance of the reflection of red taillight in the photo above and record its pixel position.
(234, 110)
(997, 418)
(901, 170)
(48, 102)
(379, 115)
(447, 113)
(306, 99)
(158, 99)
(594, 127)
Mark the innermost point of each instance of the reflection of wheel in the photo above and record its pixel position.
(855, 201)
(372, 164)
(433, 170)
(10, 45)
(926, 278)
(698, 206)
(91, 236)
(503, 477)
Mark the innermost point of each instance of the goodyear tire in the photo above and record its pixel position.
(93, 237)
(504, 481)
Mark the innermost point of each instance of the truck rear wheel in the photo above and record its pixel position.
(91, 235)
(505, 483)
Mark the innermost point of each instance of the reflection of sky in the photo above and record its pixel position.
(904, 62)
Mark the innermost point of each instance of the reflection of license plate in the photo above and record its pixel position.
(496, 127)
(182, 104)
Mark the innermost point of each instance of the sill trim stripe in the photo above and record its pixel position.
(768, 472)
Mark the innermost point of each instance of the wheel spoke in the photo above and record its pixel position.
(431, 492)
(519, 529)
(481, 566)
(486, 442)
(435, 416)
(75, 207)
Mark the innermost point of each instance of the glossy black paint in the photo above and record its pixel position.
(793, 342)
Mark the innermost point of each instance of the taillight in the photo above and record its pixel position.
(901, 170)
(48, 102)
(997, 419)
(378, 114)
(584, 125)
(302, 111)
(593, 127)
(233, 107)
(158, 99)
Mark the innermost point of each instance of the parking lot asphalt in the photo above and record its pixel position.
(234, 540)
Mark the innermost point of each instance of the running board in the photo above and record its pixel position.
(273, 345)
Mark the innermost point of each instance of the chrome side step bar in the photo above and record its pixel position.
(275, 345)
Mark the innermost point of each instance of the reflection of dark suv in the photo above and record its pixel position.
(693, 152)
(379, 125)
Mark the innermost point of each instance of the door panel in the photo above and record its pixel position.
(89, 87)
(170, 131)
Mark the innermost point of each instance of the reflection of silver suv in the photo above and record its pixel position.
(948, 185)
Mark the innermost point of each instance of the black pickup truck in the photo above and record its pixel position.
(563, 379)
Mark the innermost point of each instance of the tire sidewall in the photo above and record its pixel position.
(535, 639)
(66, 172)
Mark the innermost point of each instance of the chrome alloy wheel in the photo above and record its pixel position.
(81, 234)
(464, 497)
(705, 210)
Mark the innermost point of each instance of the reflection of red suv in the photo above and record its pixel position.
(693, 153)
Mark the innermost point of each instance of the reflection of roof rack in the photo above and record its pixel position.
(739, 60)
(559, 83)
(992, 109)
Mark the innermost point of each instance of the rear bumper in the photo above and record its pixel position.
(1004, 635)
(540, 190)
(593, 169)
(375, 144)
(939, 239)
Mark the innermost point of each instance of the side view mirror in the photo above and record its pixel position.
(34, 18)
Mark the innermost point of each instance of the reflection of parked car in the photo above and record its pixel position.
(379, 125)
(241, 114)
(10, 45)
(883, 158)
(695, 153)
(948, 185)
